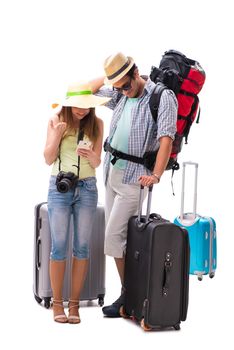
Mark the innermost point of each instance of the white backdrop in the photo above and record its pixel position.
(44, 46)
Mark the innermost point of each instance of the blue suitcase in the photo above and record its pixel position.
(202, 234)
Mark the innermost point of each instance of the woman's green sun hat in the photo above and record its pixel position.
(81, 96)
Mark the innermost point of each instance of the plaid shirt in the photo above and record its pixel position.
(145, 133)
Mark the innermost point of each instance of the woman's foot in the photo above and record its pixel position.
(73, 308)
(59, 314)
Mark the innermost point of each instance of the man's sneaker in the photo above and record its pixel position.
(113, 309)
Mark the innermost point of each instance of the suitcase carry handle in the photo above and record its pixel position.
(38, 263)
(183, 190)
(155, 216)
(167, 273)
(139, 218)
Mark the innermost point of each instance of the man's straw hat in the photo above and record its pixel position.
(116, 66)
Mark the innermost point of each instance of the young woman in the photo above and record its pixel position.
(72, 190)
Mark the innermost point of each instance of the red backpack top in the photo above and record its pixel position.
(186, 78)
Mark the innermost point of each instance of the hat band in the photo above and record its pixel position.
(119, 71)
(77, 93)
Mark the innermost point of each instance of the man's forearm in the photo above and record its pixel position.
(163, 155)
(96, 84)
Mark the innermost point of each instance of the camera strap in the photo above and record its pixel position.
(79, 138)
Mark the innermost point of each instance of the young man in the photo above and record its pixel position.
(134, 132)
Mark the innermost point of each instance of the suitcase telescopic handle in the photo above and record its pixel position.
(183, 190)
(141, 198)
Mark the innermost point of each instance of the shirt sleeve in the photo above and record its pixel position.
(105, 91)
(167, 115)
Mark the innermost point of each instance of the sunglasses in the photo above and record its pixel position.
(127, 86)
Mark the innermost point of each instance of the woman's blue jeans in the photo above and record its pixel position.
(81, 202)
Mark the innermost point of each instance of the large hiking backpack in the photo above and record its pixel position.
(186, 78)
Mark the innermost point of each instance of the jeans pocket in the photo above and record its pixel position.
(91, 184)
(52, 184)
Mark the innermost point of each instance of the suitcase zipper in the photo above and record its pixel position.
(38, 225)
(185, 280)
(210, 244)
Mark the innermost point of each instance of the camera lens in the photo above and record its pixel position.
(64, 185)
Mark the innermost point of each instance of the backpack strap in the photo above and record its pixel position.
(154, 100)
(147, 160)
(121, 155)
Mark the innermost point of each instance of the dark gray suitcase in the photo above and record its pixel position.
(156, 271)
(94, 287)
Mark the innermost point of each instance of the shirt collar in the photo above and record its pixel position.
(149, 85)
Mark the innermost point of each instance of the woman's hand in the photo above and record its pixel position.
(148, 180)
(59, 127)
(89, 154)
(55, 133)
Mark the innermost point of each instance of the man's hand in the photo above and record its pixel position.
(148, 180)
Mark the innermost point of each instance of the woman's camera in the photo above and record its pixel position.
(65, 181)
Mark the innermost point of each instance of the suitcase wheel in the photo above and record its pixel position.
(199, 277)
(101, 300)
(212, 274)
(177, 327)
(47, 302)
(122, 312)
(38, 299)
(144, 326)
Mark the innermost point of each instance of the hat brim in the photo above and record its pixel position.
(121, 75)
(83, 101)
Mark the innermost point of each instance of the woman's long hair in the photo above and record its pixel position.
(88, 124)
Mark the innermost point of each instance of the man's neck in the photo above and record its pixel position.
(142, 83)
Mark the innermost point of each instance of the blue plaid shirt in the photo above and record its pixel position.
(145, 133)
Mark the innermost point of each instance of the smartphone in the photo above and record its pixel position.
(84, 144)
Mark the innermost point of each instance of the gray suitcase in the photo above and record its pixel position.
(94, 287)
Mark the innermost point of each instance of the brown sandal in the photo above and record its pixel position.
(73, 319)
(60, 317)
